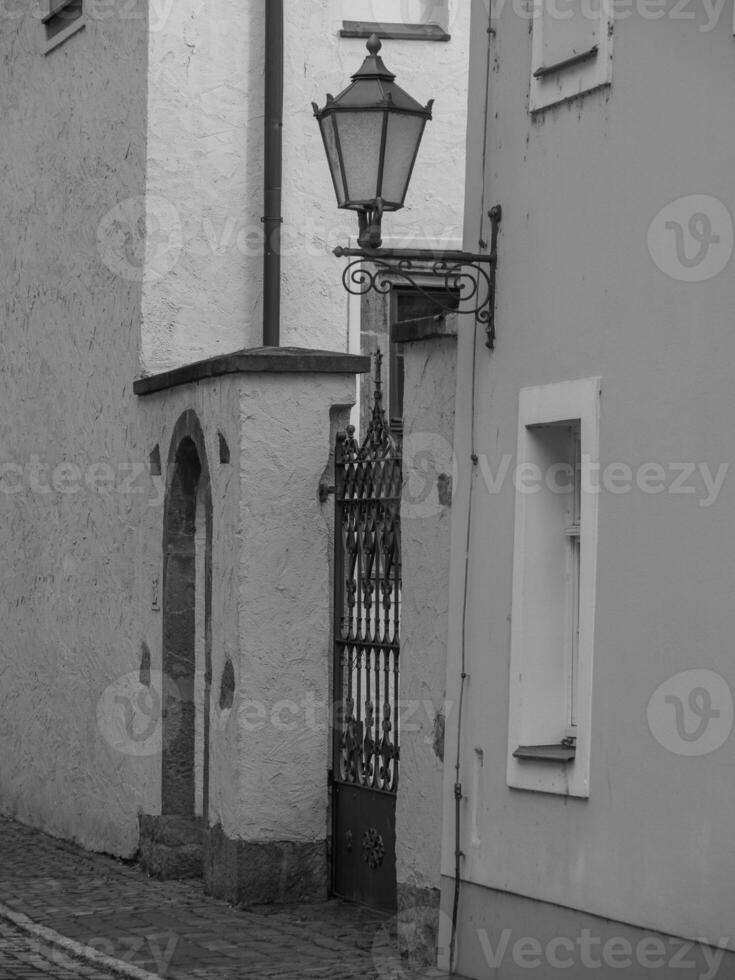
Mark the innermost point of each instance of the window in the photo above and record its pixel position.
(62, 19)
(554, 574)
(572, 49)
(420, 20)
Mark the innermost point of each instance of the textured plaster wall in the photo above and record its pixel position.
(284, 605)
(429, 396)
(203, 272)
(204, 181)
(578, 296)
(72, 147)
(269, 751)
(215, 404)
(81, 530)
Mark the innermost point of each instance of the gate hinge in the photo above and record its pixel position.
(325, 490)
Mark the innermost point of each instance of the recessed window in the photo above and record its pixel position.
(62, 19)
(572, 49)
(554, 589)
(421, 20)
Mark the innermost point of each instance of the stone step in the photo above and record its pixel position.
(171, 846)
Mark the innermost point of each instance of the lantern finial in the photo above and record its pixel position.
(374, 44)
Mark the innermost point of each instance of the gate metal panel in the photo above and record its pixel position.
(368, 482)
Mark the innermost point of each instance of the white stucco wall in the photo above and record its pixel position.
(269, 752)
(204, 181)
(579, 295)
(72, 147)
(284, 605)
(428, 466)
(203, 280)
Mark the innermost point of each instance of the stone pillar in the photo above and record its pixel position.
(270, 844)
(429, 395)
(266, 823)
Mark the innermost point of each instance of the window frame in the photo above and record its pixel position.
(53, 9)
(573, 534)
(577, 75)
(532, 762)
(355, 26)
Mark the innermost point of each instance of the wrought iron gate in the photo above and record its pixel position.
(366, 658)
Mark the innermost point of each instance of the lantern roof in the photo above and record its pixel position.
(373, 86)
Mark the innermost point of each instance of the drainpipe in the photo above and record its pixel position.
(273, 167)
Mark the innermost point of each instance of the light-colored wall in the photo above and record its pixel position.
(284, 602)
(270, 596)
(202, 290)
(216, 404)
(425, 524)
(72, 147)
(579, 295)
(82, 545)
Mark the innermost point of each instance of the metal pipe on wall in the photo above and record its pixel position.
(273, 172)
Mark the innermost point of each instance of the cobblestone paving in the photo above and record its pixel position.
(171, 928)
(22, 957)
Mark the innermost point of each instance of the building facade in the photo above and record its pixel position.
(591, 609)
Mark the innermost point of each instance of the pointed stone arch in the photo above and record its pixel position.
(187, 632)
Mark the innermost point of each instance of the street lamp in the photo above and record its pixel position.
(372, 132)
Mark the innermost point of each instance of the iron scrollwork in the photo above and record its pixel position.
(368, 489)
(466, 279)
(373, 848)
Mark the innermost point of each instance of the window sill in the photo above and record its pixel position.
(394, 32)
(546, 753)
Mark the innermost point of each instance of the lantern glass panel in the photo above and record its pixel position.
(361, 138)
(330, 142)
(402, 141)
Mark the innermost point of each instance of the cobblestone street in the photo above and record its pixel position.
(166, 929)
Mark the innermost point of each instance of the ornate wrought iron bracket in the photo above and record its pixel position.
(452, 281)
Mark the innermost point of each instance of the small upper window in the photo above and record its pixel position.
(423, 20)
(62, 19)
(572, 49)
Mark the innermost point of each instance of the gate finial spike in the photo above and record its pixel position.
(378, 378)
(378, 438)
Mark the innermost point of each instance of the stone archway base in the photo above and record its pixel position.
(171, 846)
(264, 872)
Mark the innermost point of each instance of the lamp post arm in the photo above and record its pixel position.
(451, 280)
(416, 255)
